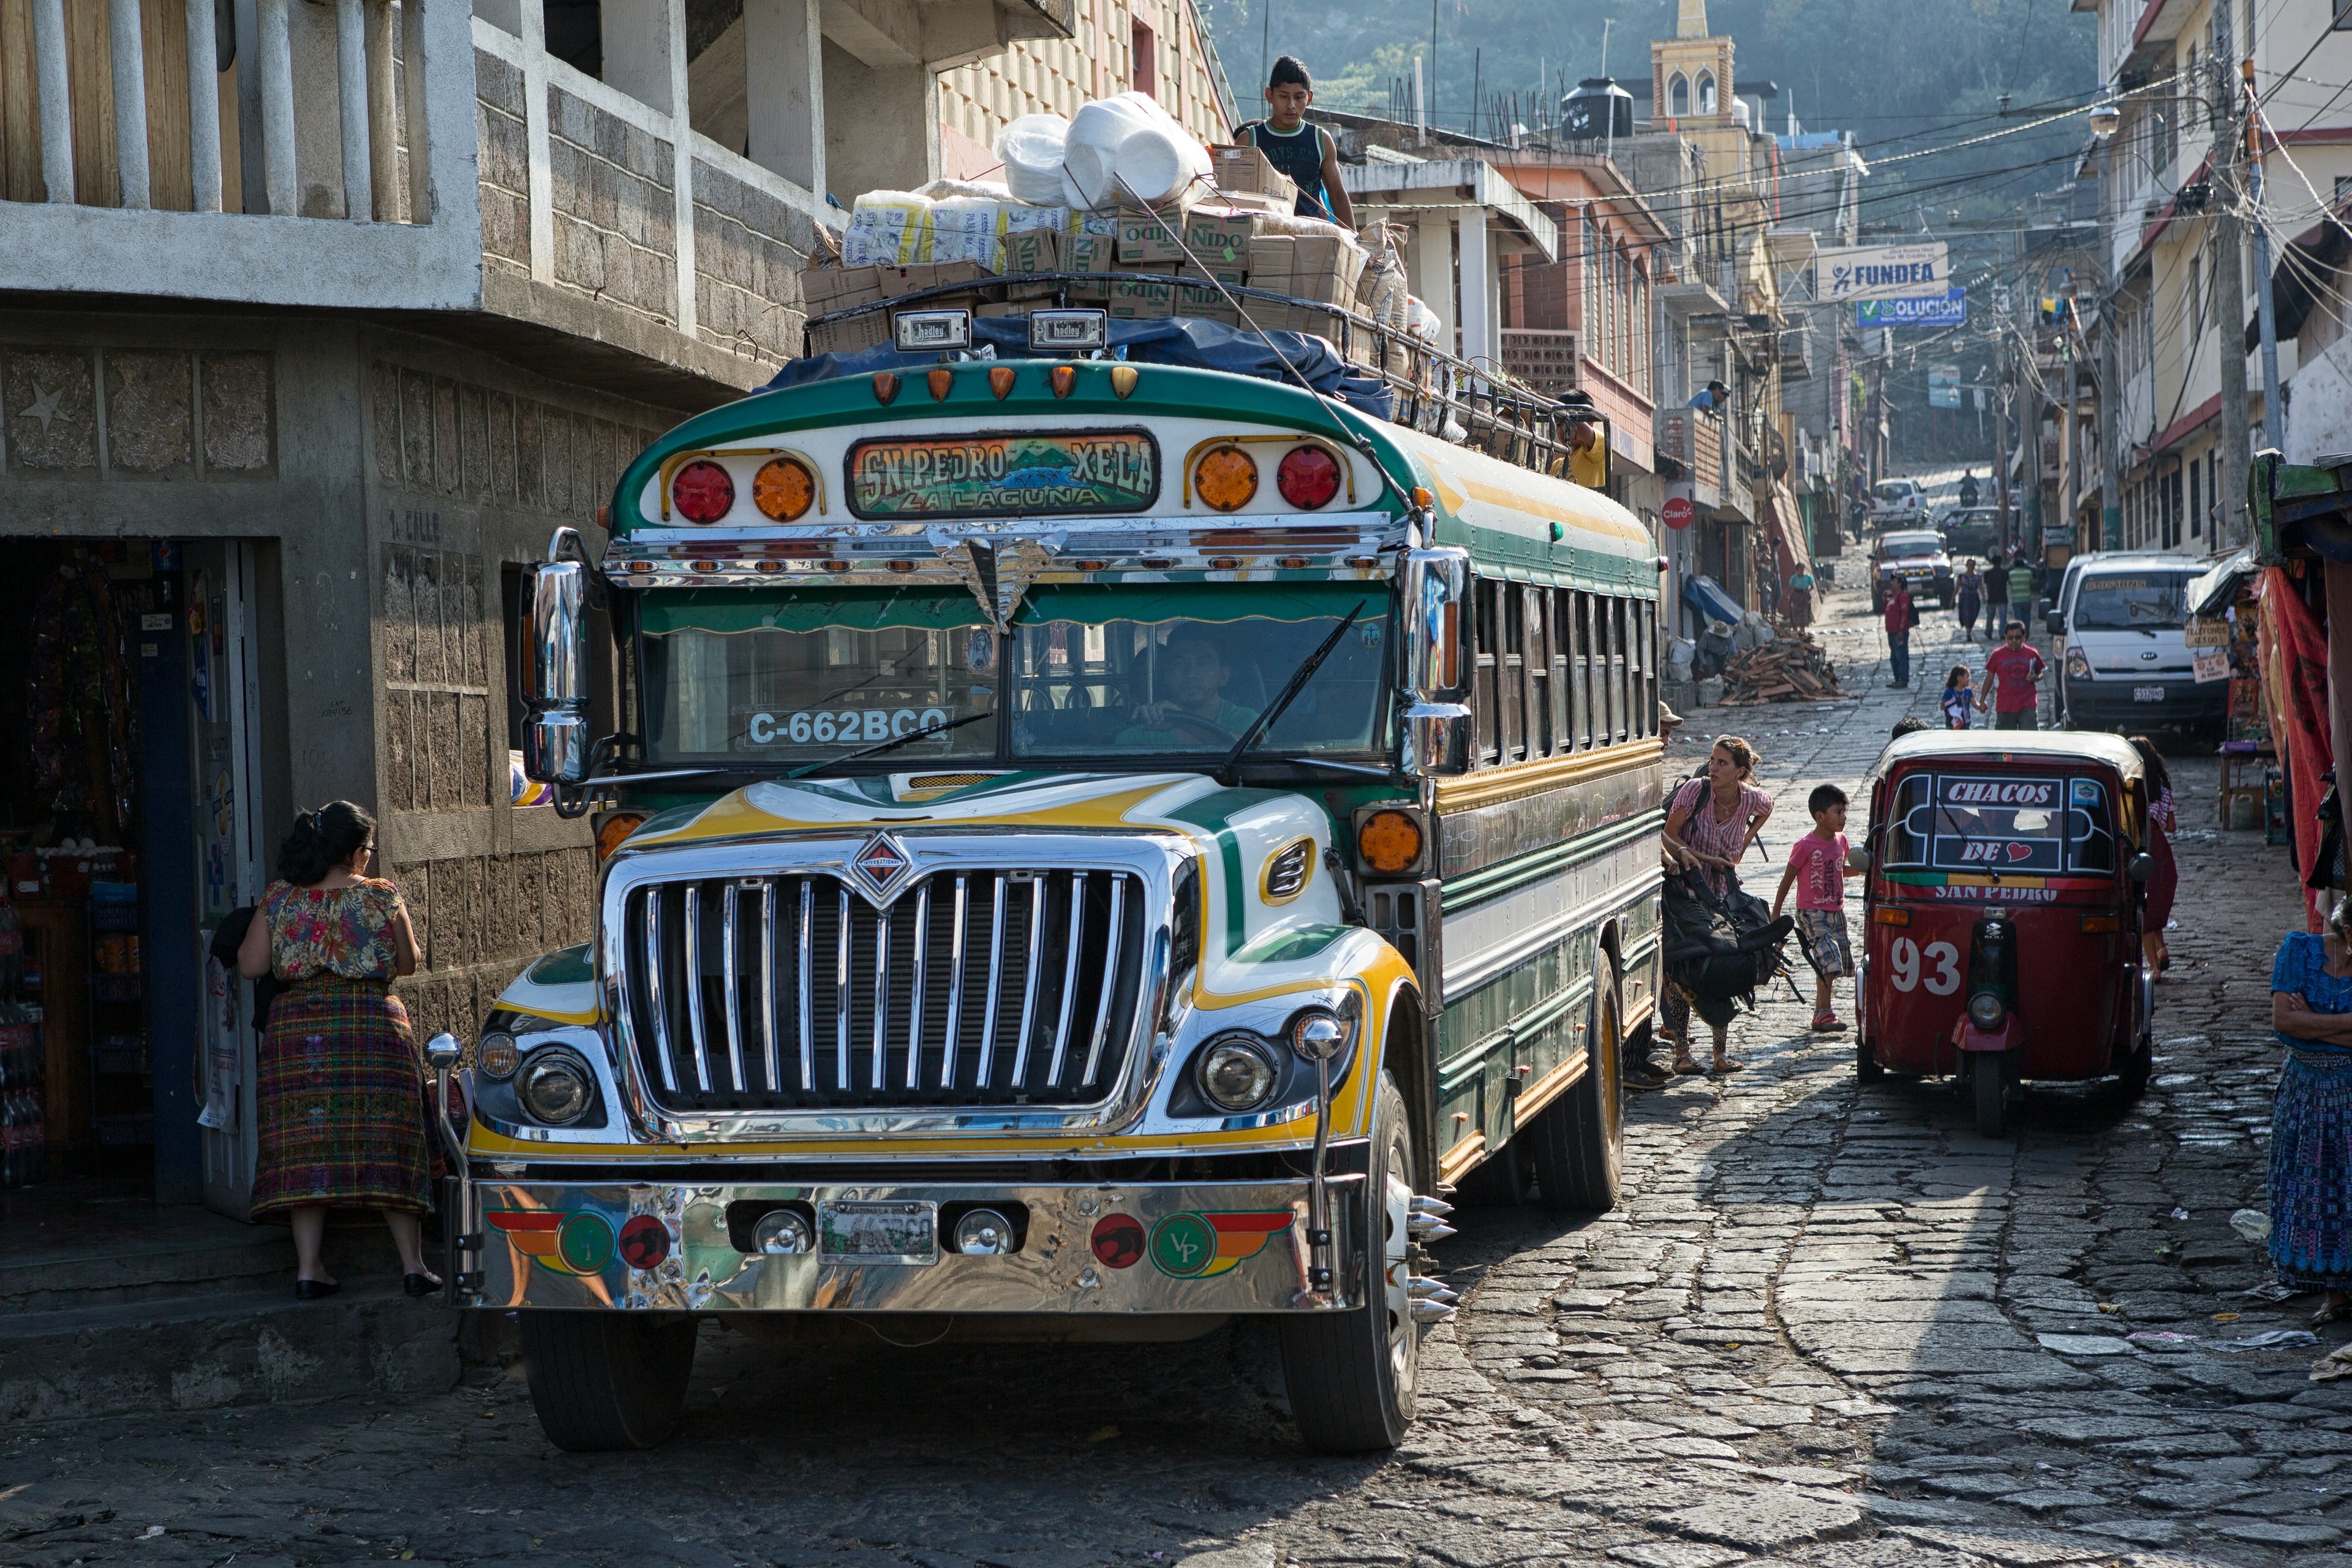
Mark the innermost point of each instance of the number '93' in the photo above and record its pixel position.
(859, 724)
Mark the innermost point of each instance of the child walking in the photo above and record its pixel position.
(1960, 698)
(1818, 871)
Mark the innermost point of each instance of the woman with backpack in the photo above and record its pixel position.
(1713, 821)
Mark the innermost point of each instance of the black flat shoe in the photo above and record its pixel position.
(315, 1290)
(424, 1284)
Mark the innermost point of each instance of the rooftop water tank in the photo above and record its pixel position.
(1597, 111)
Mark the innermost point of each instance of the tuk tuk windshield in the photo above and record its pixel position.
(2143, 601)
(2046, 825)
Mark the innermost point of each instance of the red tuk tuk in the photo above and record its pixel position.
(2001, 913)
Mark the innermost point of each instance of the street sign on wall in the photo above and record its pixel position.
(1949, 310)
(1885, 272)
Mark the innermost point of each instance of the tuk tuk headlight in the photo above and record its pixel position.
(1237, 1072)
(555, 1086)
(1986, 1011)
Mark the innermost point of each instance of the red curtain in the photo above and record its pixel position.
(2294, 691)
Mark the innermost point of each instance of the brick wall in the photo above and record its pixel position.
(748, 250)
(505, 170)
(615, 209)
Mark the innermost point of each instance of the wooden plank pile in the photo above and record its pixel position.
(1791, 668)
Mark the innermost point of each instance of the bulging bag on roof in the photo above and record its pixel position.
(1091, 150)
(888, 228)
(966, 228)
(1032, 148)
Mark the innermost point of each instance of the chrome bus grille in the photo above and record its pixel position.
(792, 992)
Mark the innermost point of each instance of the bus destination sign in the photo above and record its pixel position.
(1009, 475)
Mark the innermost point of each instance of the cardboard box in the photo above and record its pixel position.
(1031, 250)
(899, 282)
(1258, 203)
(984, 311)
(849, 334)
(1246, 168)
(825, 290)
(1231, 277)
(1145, 239)
(1219, 238)
(1139, 299)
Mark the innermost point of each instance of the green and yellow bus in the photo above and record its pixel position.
(1089, 851)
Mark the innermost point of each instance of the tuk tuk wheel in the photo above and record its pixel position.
(1991, 1094)
(603, 1380)
(1866, 1062)
(1353, 1378)
(2132, 1070)
(1577, 1144)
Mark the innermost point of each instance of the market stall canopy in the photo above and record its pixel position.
(2210, 593)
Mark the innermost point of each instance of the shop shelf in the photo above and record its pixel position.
(125, 1131)
(121, 1058)
(116, 987)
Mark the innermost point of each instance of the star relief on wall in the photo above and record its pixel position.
(44, 407)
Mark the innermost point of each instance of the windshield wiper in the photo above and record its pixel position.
(941, 728)
(1291, 688)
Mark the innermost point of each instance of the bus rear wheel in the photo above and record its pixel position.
(1577, 1144)
(603, 1380)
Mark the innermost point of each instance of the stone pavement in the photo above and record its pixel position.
(1827, 1326)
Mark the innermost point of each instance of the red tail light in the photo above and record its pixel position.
(1309, 478)
(702, 491)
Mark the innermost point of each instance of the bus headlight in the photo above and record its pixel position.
(555, 1086)
(1237, 1072)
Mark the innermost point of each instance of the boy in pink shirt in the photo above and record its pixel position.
(1818, 871)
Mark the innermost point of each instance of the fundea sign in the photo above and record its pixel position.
(1885, 272)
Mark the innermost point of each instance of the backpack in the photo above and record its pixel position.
(1719, 947)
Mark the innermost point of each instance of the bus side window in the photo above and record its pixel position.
(1620, 696)
(1510, 672)
(1582, 668)
(1555, 619)
(1543, 733)
(1649, 667)
(1485, 697)
(1637, 665)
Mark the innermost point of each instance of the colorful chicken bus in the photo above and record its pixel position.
(1088, 849)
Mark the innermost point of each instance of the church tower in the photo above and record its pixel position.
(1690, 73)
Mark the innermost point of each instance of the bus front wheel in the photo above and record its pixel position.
(603, 1380)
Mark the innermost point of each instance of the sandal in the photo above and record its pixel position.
(2336, 1306)
(1685, 1064)
(1724, 1068)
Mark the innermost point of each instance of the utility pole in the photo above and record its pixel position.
(2265, 307)
(2111, 384)
(2228, 280)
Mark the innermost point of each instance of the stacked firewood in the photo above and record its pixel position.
(1791, 668)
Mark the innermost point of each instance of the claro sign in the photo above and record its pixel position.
(1885, 272)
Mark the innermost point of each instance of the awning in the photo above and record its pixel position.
(2210, 593)
(1786, 526)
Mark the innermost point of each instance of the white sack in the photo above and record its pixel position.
(1032, 148)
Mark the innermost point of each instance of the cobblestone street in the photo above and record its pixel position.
(1828, 1325)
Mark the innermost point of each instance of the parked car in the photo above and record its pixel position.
(1897, 503)
(1971, 530)
(2123, 650)
(1917, 556)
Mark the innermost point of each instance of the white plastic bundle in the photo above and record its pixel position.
(1032, 148)
(888, 228)
(965, 228)
(1091, 150)
(1160, 157)
(944, 189)
(1420, 320)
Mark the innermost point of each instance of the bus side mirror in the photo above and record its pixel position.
(1436, 623)
(2142, 867)
(1437, 740)
(553, 663)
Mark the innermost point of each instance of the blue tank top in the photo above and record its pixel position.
(1300, 156)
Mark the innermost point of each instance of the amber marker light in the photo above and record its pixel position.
(1063, 379)
(941, 381)
(886, 387)
(1225, 478)
(1122, 380)
(1389, 842)
(784, 490)
(999, 382)
(614, 829)
(1886, 916)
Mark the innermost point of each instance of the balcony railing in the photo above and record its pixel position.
(1695, 444)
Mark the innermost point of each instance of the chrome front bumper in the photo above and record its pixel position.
(1203, 1247)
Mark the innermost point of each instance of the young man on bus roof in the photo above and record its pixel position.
(1307, 153)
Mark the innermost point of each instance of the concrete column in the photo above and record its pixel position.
(682, 183)
(534, 129)
(784, 79)
(351, 97)
(130, 52)
(637, 35)
(382, 115)
(1433, 271)
(414, 50)
(56, 98)
(891, 141)
(204, 108)
(1479, 339)
(277, 73)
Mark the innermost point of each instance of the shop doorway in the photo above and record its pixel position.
(128, 830)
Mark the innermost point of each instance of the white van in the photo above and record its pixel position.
(2123, 663)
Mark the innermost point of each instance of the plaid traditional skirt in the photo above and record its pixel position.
(341, 1103)
(2311, 1172)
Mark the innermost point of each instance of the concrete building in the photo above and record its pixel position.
(313, 324)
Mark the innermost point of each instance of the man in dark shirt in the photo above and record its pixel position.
(1307, 153)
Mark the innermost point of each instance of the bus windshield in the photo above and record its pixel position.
(1093, 673)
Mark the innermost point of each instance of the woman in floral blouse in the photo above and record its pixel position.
(341, 1110)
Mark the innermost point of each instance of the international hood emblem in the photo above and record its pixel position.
(879, 865)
